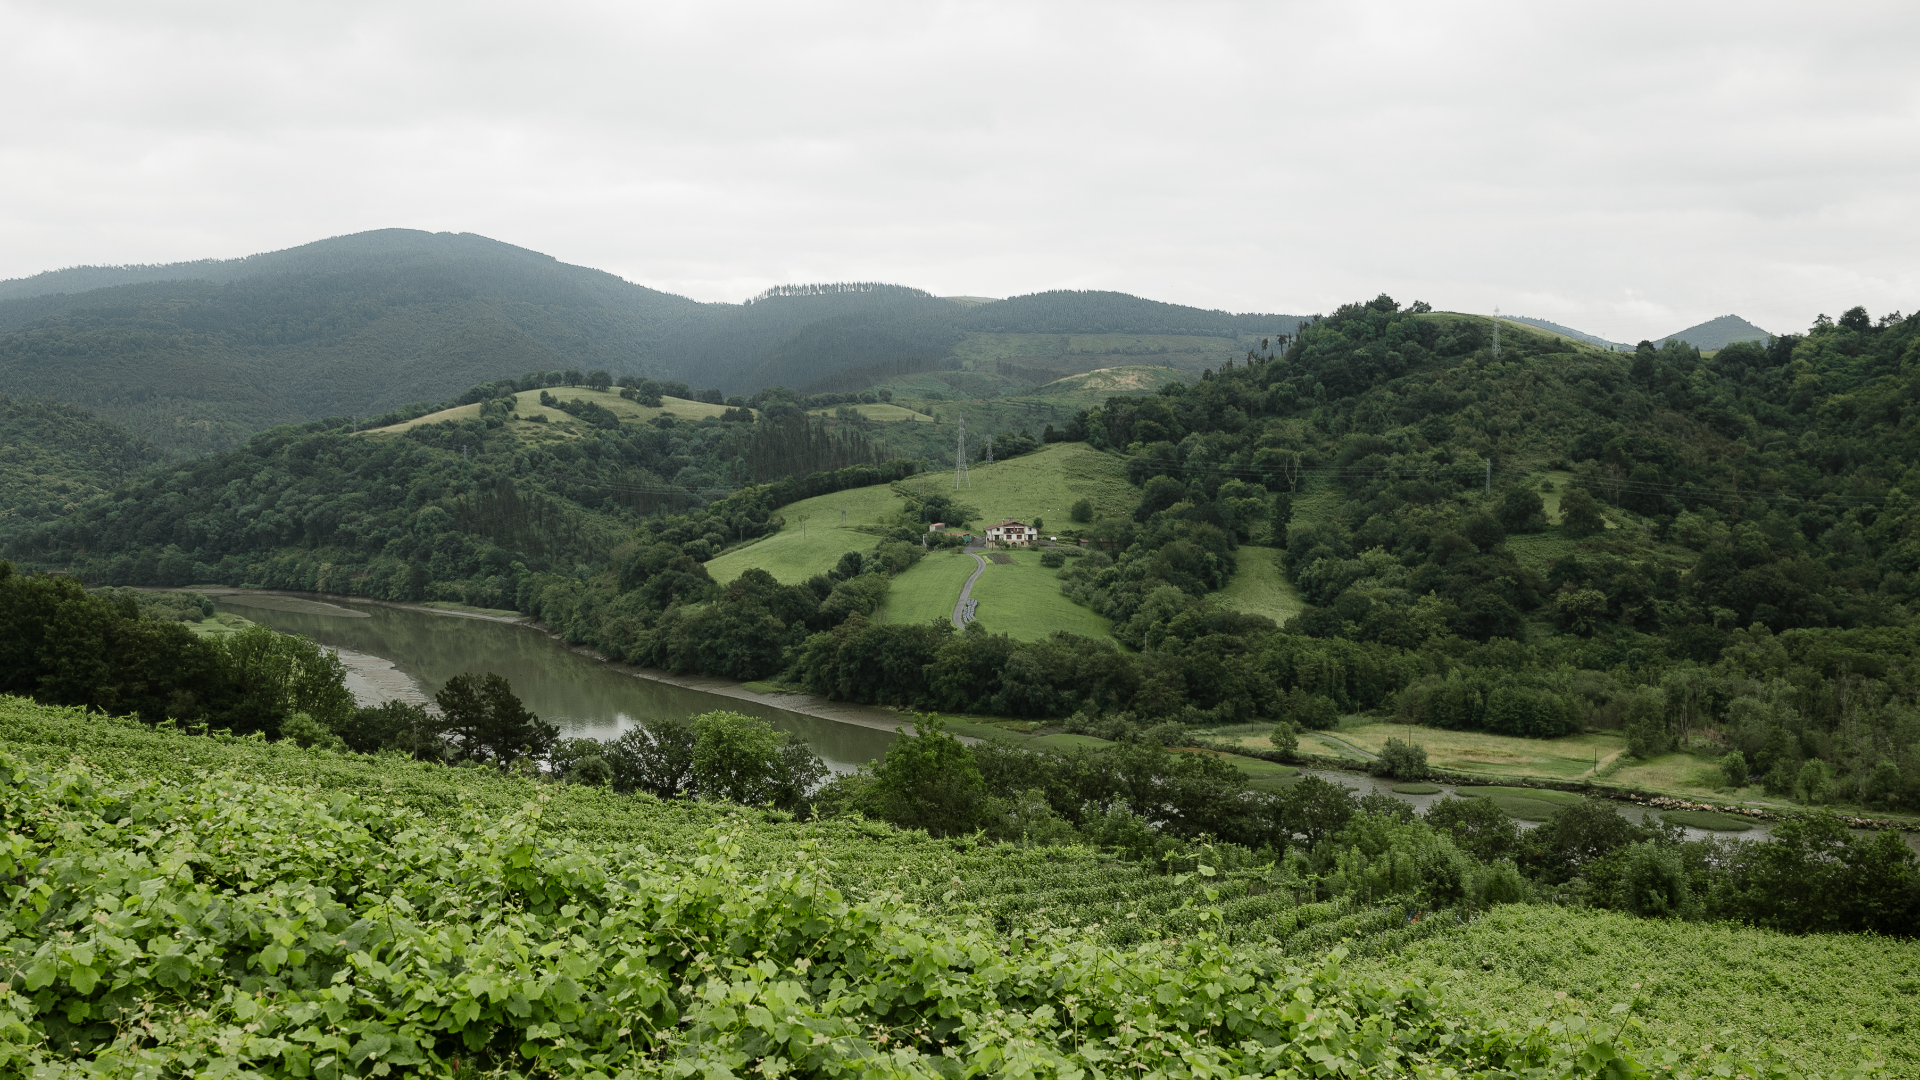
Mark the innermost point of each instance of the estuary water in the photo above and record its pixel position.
(409, 653)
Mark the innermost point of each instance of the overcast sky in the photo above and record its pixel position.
(1625, 168)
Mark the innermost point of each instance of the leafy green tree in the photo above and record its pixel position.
(655, 756)
(928, 780)
(393, 725)
(1580, 514)
(1312, 810)
(1402, 760)
(1733, 769)
(304, 731)
(1478, 826)
(1285, 738)
(735, 757)
(1576, 835)
(1081, 511)
(1653, 881)
(1522, 511)
(487, 722)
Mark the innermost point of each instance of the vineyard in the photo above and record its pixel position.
(209, 906)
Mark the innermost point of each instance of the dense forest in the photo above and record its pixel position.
(54, 458)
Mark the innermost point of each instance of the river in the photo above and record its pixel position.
(409, 653)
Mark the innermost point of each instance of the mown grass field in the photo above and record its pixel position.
(1500, 755)
(817, 532)
(929, 589)
(1259, 588)
(1022, 599)
(1819, 1000)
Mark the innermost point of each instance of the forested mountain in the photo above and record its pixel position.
(196, 356)
(356, 325)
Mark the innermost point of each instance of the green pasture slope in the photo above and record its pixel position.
(817, 532)
(1045, 483)
(492, 918)
(1022, 599)
(928, 591)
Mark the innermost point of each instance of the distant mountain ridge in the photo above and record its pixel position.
(195, 356)
(1577, 335)
(1719, 333)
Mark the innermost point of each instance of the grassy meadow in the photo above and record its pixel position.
(1568, 758)
(817, 532)
(928, 590)
(1259, 588)
(1022, 599)
(1044, 484)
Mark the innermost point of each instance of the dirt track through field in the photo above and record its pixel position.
(963, 609)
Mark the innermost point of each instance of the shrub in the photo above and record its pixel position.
(1053, 559)
(1285, 738)
(1734, 768)
(1653, 881)
(1402, 760)
(1478, 827)
(1580, 514)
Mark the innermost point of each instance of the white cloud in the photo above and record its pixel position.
(1626, 168)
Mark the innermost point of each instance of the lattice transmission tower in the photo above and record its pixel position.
(1496, 332)
(989, 447)
(960, 478)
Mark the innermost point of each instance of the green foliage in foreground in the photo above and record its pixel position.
(1021, 894)
(232, 925)
(1822, 1002)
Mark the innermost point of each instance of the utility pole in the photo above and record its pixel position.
(960, 477)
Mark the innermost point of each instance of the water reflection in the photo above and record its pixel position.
(579, 694)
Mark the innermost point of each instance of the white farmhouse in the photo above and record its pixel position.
(1012, 534)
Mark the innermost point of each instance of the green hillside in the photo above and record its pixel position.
(55, 458)
(816, 533)
(1022, 599)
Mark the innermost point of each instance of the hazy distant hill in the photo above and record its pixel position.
(1577, 335)
(196, 356)
(1719, 333)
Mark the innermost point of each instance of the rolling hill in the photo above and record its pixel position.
(196, 356)
(1719, 333)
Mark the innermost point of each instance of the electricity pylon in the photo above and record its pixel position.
(960, 478)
